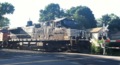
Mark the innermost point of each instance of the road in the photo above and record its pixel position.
(57, 58)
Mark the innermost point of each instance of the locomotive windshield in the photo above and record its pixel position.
(37, 25)
(70, 23)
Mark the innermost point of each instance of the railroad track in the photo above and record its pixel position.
(18, 50)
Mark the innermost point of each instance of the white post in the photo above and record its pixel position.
(104, 50)
(104, 53)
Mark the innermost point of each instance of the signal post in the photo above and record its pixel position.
(103, 36)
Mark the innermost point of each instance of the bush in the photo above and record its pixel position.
(96, 50)
(100, 41)
(93, 49)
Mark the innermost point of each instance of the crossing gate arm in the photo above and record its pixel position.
(113, 47)
(112, 40)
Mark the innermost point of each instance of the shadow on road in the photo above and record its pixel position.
(76, 58)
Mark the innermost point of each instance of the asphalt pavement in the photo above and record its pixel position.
(57, 58)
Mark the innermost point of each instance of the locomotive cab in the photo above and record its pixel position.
(37, 26)
(70, 23)
(67, 23)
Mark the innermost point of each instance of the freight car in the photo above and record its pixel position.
(60, 34)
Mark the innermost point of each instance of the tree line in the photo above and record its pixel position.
(82, 14)
(110, 19)
(5, 8)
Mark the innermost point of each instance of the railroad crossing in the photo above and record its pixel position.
(104, 37)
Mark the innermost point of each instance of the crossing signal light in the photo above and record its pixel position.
(100, 38)
(104, 37)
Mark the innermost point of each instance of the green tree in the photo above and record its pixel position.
(114, 23)
(99, 23)
(112, 20)
(51, 12)
(105, 19)
(82, 14)
(82, 20)
(85, 12)
(4, 22)
(5, 8)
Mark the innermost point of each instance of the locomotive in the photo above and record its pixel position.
(62, 34)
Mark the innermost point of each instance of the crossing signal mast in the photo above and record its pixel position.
(103, 36)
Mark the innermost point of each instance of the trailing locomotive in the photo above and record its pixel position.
(61, 34)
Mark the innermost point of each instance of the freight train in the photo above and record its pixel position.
(62, 34)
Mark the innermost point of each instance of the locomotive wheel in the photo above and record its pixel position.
(10, 46)
(1, 45)
(18, 46)
(69, 51)
(79, 49)
(49, 50)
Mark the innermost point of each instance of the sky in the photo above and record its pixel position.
(25, 9)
